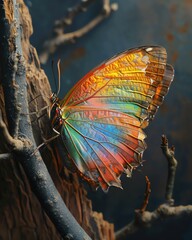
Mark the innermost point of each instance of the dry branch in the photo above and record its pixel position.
(144, 218)
(19, 137)
(172, 166)
(147, 195)
(60, 37)
(147, 219)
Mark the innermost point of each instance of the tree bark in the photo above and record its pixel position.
(21, 215)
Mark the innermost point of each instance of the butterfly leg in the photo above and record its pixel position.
(47, 141)
(36, 112)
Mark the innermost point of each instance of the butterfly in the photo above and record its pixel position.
(101, 119)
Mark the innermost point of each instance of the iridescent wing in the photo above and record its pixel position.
(105, 112)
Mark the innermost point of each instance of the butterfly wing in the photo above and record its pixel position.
(105, 112)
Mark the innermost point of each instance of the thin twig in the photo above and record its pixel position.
(137, 222)
(172, 166)
(60, 25)
(61, 37)
(147, 195)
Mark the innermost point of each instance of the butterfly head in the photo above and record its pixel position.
(54, 98)
(55, 112)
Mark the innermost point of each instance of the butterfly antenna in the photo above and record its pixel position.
(53, 72)
(59, 76)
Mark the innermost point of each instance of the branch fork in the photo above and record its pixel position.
(145, 218)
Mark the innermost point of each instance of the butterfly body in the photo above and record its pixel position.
(101, 119)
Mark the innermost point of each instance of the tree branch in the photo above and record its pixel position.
(61, 37)
(15, 92)
(172, 166)
(145, 218)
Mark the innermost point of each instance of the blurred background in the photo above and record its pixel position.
(150, 22)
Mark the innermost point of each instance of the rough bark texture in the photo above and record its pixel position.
(21, 216)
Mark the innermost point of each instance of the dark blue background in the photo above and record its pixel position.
(167, 23)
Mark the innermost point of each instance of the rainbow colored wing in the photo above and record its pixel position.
(105, 112)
